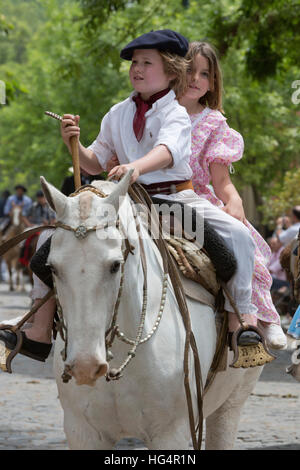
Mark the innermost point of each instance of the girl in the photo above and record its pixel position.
(214, 147)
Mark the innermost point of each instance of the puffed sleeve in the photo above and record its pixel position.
(175, 133)
(224, 145)
(103, 146)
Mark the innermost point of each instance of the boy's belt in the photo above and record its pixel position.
(168, 187)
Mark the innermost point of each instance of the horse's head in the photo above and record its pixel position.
(86, 269)
(16, 215)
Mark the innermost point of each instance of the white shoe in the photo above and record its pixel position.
(274, 335)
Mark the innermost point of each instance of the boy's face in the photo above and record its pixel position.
(198, 78)
(147, 73)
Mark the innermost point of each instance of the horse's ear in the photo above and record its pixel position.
(121, 190)
(56, 199)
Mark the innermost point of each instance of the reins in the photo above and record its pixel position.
(138, 194)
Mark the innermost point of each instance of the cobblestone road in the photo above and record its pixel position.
(31, 416)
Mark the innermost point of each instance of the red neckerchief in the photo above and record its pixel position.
(142, 107)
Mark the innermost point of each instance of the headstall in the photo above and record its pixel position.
(81, 232)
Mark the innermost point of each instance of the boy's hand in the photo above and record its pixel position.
(69, 127)
(120, 170)
(112, 163)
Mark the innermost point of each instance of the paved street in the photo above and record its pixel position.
(31, 416)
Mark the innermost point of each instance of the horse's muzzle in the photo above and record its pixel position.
(86, 370)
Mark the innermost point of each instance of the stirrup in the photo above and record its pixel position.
(7, 355)
(252, 355)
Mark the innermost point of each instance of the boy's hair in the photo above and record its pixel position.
(175, 65)
(213, 97)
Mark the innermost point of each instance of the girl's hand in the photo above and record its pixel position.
(234, 207)
(120, 170)
(69, 127)
(112, 163)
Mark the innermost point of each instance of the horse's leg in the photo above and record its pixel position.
(176, 439)
(81, 435)
(20, 278)
(17, 270)
(222, 425)
(9, 268)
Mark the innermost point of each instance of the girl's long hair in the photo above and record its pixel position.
(213, 97)
(175, 65)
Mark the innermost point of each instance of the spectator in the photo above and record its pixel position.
(40, 213)
(3, 200)
(277, 272)
(286, 236)
(19, 199)
(282, 223)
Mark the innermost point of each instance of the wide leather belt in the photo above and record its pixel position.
(167, 187)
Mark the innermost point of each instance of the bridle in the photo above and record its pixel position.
(113, 331)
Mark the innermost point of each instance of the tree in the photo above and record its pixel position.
(286, 196)
(70, 62)
(268, 31)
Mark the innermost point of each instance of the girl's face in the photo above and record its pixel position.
(147, 74)
(198, 78)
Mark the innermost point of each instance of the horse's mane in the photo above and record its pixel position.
(105, 186)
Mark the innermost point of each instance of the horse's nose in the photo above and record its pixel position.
(87, 370)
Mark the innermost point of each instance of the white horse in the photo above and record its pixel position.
(149, 401)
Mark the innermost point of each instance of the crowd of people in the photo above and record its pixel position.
(34, 211)
(286, 231)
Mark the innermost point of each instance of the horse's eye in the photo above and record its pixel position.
(115, 267)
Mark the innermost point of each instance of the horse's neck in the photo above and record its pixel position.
(132, 297)
(14, 230)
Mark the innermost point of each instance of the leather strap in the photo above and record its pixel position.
(168, 187)
(22, 236)
(139, 194)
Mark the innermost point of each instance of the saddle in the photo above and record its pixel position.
(210, 266)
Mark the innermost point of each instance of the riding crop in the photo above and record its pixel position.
(74, 149)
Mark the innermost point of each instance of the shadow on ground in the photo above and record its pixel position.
(275, 371)
(293, 446)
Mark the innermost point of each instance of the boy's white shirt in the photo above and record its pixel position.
(167, 122)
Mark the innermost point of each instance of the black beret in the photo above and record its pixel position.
(39, 193)
(164, 40)
(20, 186)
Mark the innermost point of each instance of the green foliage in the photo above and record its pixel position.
(268, 31)
(284, 197)
(63, 56)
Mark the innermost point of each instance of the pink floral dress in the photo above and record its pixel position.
(213, 141)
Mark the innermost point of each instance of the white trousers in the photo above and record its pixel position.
(40, 289)
(238, 237)
(235, 234)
